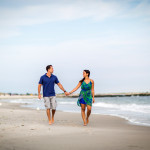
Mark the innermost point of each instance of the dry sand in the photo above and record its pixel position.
(28, 129)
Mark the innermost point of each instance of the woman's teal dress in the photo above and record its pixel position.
(85, 96)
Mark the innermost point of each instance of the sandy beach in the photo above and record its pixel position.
(28, 129)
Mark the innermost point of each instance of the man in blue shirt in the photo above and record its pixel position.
(48, 80)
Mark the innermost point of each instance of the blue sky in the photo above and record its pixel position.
(110, 38)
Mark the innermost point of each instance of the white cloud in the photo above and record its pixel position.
(103, 48)
(68, 10)
(38, 14)
(7, 33)
(140, 10)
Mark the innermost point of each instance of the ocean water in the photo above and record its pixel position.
(136, 109)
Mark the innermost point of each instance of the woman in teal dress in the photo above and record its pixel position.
(86, 96)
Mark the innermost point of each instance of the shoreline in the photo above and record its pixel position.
(25, 128)
(76, 95)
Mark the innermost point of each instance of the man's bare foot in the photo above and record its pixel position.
(50, 122)
(87, 120)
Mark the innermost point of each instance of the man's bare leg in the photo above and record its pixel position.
(49, 116)
(53, 113)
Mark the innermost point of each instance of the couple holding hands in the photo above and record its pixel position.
(86, 96)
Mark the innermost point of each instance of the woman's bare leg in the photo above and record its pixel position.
(83, 106)
(88, 113)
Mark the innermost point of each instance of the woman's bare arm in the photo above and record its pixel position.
(79, 84)
(93, 90)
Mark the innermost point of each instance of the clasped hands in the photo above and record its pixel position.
(67, 93)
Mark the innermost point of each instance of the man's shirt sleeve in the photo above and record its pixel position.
(41, 81)
(56, 80)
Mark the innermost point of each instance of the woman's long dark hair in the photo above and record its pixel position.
(87, 71)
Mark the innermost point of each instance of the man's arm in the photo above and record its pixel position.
(39, 90)
(62, 88)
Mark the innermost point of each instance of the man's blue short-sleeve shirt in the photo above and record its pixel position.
(48, 84)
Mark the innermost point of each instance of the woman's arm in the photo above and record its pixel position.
(93, 90)
(79, 84)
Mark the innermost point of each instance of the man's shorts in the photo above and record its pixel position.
(50, 102)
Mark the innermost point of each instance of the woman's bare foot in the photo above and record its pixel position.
(50, 122)
(85, 124)
(87, 120)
